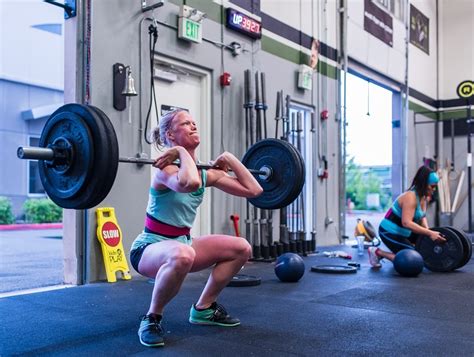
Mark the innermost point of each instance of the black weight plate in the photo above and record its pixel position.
(255, 157)
(110, 144)
(106, 165)
(99, 151)
(240, 280)
(441, 257)
(466, 243)
(334, 269)
(302, 171)
(64, 182)
(287, 167)
(265, 153)
(94, 193)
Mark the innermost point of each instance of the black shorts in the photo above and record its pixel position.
(396, 242)
(136, 255)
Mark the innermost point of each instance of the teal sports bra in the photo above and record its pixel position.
(390, 224)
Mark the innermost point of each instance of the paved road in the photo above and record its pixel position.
(30, 259)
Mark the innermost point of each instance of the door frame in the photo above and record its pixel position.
(205, 218)
(309, 155)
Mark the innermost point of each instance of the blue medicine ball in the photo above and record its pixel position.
(408, 262)
(289, 267)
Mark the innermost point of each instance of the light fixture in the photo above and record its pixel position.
(166, 76)
(123, 85)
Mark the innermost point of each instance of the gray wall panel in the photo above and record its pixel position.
(115, 39)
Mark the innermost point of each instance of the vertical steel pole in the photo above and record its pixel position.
(469, 168)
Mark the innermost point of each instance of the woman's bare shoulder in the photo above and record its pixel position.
(407, 197)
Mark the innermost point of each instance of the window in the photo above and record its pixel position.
(35, 187)
(394, 7)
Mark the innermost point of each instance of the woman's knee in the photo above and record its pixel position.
(181, 258)
(244, 249)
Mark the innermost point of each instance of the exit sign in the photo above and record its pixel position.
(189, 30)
(305, 77)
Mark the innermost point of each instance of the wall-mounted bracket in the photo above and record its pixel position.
(119, 74)
(69, 7)
(146, 7)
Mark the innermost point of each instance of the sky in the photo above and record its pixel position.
(369, 137)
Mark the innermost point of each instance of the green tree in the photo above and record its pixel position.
(6, 215)
(359, 184)
(353, 182)
(42, 211)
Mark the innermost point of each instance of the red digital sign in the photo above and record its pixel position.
(243, 23)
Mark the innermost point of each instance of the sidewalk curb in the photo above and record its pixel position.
(30, 226)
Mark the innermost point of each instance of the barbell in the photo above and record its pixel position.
(78, 157)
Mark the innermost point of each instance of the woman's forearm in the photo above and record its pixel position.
(188, 175)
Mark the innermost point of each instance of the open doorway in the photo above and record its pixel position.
(32, 87)
(368, 152)
(180, 85)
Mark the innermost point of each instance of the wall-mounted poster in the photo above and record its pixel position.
(419, 30)
(378, 23)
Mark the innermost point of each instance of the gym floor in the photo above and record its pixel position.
(370, 313)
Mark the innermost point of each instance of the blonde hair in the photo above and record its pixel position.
(158, 134)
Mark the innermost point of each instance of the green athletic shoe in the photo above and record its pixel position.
(150, 331)
(214, 315)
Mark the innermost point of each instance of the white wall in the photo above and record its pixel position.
(369, 50)
(422, 66)
(457, 45)
(314, 18)
(456, 65)
(27, 54)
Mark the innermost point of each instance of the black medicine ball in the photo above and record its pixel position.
(408, 262)
(289, 267)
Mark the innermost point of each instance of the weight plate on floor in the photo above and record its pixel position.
(441, 257)
(244, 280)
(467, 246)
(286, 180)
(334, 269)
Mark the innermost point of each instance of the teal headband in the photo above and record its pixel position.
(433, 178)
